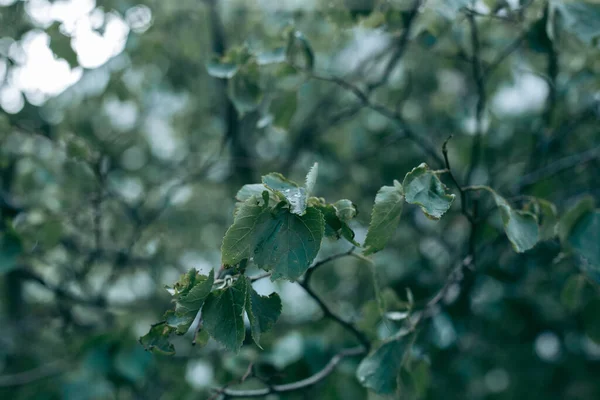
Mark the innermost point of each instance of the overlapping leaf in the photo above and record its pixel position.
(521, 227)
(263, 312)
(379, 370)
(295, 195)
(189, 301)
(384, 218)
(423, 188)
(239, 238)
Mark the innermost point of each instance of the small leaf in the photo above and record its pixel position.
(379, 370)
(223, 315)
(295, 196)
(157, 340)
(547, 216)
(287, 243)
(263, 312)
(189, 303)
(345, 210)
(423, 188)
(247, 191)
(202, 338)
(311, 178)
(572, 293)
(238, 240)
(521, 227)
(384, 218)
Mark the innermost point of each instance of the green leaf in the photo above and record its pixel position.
(572, 293)
(299, 52)
(202, 338)
(345, 210)
(571, 217)
(421, 377)
(581, 18)
(286, 243)
(547, 217)
(311, 178)
(283, 108)
(379, 370)
(244, 88)
(247, 191)
(223, 315)
(157, 340)
(263, 312)
(423, 188)
(585, 237)
(521, 227)
(384, 218)
(295, 196)
(189, 302)
(591, 320)
(10, 250)
(238, 241)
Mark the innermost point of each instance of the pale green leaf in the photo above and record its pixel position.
(286, 243)
(223, 315)
(384, 218)
(263, 312)
(345, 210)
(581, 18)
(238, 240)
(311, 178)
(423, 188)
(295, 196)
(521, 227)
(379, 370)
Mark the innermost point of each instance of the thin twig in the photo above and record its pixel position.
(463, 200)
(299, 385)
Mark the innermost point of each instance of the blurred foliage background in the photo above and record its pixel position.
(126, 128)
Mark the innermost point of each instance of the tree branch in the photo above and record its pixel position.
(299, 385)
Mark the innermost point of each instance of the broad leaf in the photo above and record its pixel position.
(311, 178)
(384, 218)
(263, 312)
(157, 339)
(423, 188)
(238, 240)
(189, 302)
(571, 217)
(247, 191)
(521, 227)
(223, 315)
(286, 243)
(379, 370)
(295, 196)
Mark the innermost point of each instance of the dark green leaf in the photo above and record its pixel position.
(189, 302)
(239, 238)
(585, 237)
(423, 188)
(571, 217)
(244, 88)
(263, 312)
(384, 218)
(223, 315)
(591, 319)
(379, 370)
(572, 293)
(157, 339)
(10, 250)
(283, 109)
(61, 45)
(286, 243)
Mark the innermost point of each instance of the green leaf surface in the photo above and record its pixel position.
(591, 320)
(572, 293)
(384, 218)
(581, 18)
(189, 302)
(157, 340)
(299, 52)
(521, 227)
(547, 216)
(423, 188)
(570, 218)
(585, 237)
(311, 178)
(379, 370)
(239, 238)
(263, 312)
(295, 195)
(286, 243)
(223, 315)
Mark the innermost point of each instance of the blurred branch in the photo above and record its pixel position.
(35, 374)
(401, 47)
(299, 385)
